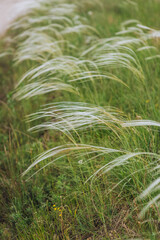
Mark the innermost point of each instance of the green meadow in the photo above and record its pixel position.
(80, 121)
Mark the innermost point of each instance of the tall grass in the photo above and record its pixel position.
(67, 59)
(112, 53)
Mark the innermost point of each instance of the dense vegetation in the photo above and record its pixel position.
(79, 121)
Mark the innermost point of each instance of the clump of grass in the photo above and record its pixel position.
(68, 60)
(101, 151)
(112, 53)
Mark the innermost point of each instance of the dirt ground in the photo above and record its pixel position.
(10, 10)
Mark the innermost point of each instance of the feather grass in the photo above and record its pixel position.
(67, 116)
(45, 40)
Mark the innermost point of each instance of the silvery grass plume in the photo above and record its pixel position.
(154, 187)
(122, 51)
(61, 67)
(75, 69)
(114, 56)
(112, 53)
(70, 117)
(134, 35)
(143, 33)
(153, 36)
(39, 47)
(45, 7)
(89, 153)
(65, 65)
(61, 73)
(45, 34)
(130, 26)
(69, 68)
(131, 38)
(58, 27)
(42, 87)
(63, 150)
(139, 123)
(51, 84)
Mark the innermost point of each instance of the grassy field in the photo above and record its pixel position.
(79, 122)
